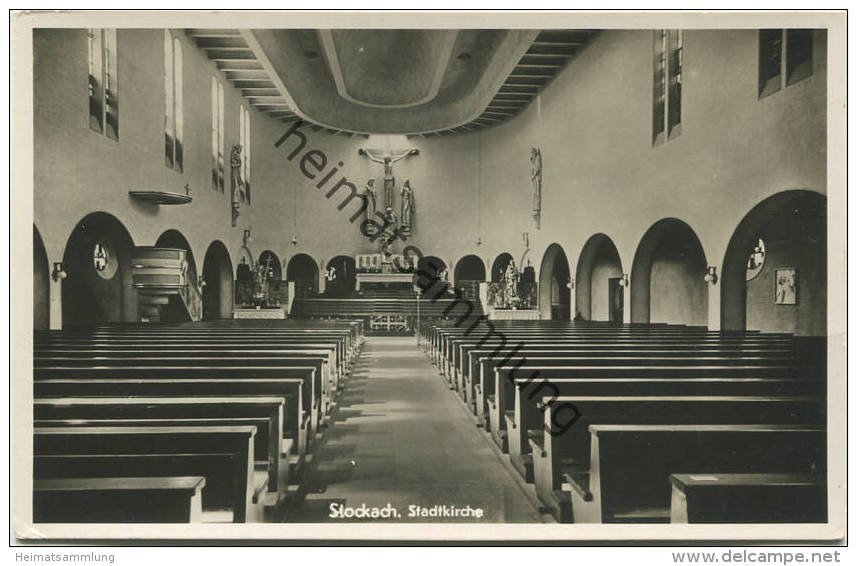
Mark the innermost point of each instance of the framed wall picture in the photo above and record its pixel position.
(785, 286)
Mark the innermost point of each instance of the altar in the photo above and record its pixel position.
(259, 314)
(370, 277)
(513, 314)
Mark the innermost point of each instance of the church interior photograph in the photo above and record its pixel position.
(298, 277)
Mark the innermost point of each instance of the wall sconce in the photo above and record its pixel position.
(294, 240)
(570, 283)
(623, 281)
(58, 273)
(711, 275)
(200, 281)
(247, 237)
(478, 241)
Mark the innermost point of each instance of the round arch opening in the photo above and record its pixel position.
(41, 284)
(498, 268)
(175, 239)
(469, 272)
(270, 260)
(554, 279)
(217, 294)
(98, 286)
(598, 293)
(303, 270)
(667, 276)
(431, 274)
(789, 293)
(340, 276)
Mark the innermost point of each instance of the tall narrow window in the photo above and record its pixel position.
(178, 82)
(660, 85)
(785, 57)
(215, 136)
(241, 142)
(96, 87)
(246, 154)
(244, 141)
(220, 136)
(103, 82)
(169, 102)
(770, 61)
(173, 102)
(666, 95)
(674, 112)
(798, 55)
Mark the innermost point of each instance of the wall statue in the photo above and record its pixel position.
(370, 196)
(237, 184)
(407, 216)
(536, 178)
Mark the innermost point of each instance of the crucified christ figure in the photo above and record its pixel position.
(387, 161)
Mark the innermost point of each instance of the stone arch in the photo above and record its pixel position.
(303, 270)
(793, 226)
(667, 276)
(217, 294)
(41, 284)
(598, 271)
(268, 257)
(175, 239)
(554, 279)
(98, 289)
(469, 268)
(498, 268)
(346, 276)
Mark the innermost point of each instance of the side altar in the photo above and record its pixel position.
(514, 297)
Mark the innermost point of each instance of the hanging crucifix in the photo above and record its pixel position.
(387, 161)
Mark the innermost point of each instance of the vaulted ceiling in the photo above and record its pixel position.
(391, 81)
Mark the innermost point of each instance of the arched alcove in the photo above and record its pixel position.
(793, 226)
(598, 294)
(498, 268)
(554, 278)
(97, 260)
(175, 239)
(469, 272)
(41, 284)
(341, 273)
(429, 272)
(667, 277)
(272, 262)
(303, 270)
(217, 274)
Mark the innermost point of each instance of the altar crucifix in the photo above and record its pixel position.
(387, 161)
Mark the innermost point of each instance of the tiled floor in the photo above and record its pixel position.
(401, 437)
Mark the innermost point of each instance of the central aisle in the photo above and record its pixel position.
(401, 437)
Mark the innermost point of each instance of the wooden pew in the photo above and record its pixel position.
(564, 442)
(628, 480)
(266, 413)
(467, 353)
(218, 469)
(295, 422)
(527, 416)
(287, 365)
(483, 362)
(747, 498)
(300, 414)
(607, 367)
(185, 342)
(236, 440)
(238, 337)
(118, 500)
